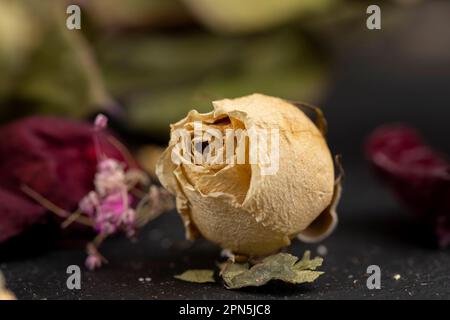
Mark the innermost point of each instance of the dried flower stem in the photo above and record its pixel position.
(98, 240)
(74, 217)
(138, 193)
(95, 259)
(44, 202)
(60, 212)
(123, 150)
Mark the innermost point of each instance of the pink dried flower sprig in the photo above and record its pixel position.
(110, 205)
(94, 260)
(123, 200)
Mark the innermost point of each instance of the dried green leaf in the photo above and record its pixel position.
(134, 14)
(235, 16)
(231, 270)
(307, 264)
(160, 79)
(71, 84)
(281, 266)
(197, 276)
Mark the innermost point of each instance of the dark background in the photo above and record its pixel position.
(398, 74)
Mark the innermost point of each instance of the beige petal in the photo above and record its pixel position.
(327, 221)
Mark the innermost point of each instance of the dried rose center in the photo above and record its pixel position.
(230, 178)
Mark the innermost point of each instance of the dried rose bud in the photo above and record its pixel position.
(251, 207)
(419, 175)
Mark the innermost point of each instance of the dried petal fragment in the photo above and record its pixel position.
(197, 276)
(419, 175)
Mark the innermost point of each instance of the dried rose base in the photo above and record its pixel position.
(419, 175)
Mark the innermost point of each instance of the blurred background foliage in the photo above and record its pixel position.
(148, 62)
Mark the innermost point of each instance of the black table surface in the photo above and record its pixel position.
(372, 230)
(376, 83)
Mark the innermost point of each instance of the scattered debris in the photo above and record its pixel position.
(322, 250)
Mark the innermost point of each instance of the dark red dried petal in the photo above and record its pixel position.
(55, 157)
(12, 222)
(418, 174)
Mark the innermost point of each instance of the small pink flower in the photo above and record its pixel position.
(114, 212)
(101, 122)
(110, 177)
(89, 203)
(114, 205)
(93, 262)
(109, 213)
